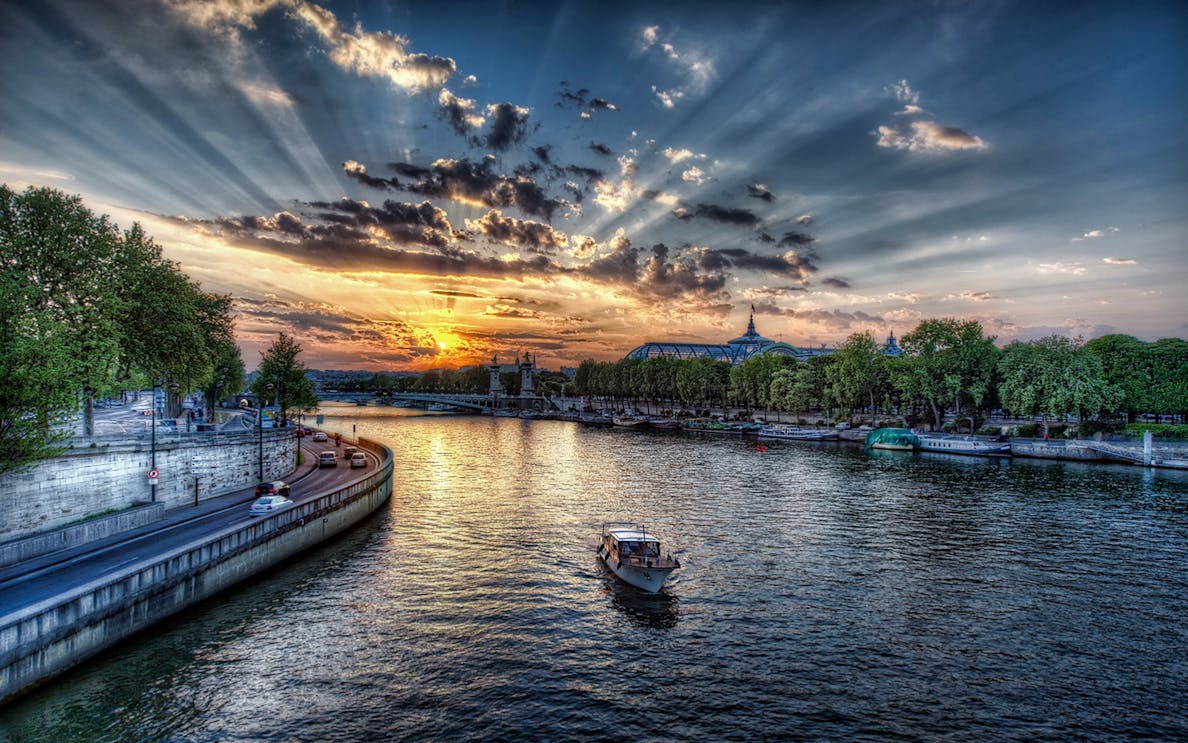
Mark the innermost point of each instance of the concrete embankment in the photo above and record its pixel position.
(43, 640)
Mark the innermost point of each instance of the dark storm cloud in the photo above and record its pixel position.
(458, 112)
(478, 183)
(790, 264)
(602, 149)
(799, 239)
(759, 191)
(672, 278)
(836, 283)
(542, 153)
(725, 215)
(509, 125)
(579, 99)
(410, 170)
(358, 172)
(590, 174)
(620, 266)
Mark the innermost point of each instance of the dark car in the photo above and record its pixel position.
(276, 487)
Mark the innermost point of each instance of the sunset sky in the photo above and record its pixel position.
(408, 185)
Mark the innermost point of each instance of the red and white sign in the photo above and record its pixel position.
(153, 475)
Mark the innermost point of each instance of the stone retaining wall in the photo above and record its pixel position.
(76, 534)
(110, 473)
(43, 640)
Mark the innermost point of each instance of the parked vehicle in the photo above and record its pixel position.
(358, 459)
(327, 459)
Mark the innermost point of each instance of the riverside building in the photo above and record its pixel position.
(739, 349)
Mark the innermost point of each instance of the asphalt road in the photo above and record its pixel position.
(35, 580)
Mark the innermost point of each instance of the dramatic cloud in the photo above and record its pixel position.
(922, 136)
(509, 125)
(477, 183)
(532, 236)
(459, 112)
(928, 136)
(798, 239)
(693, 175)
(836, 283)
(358, 171)
(759, 191)
(804, 219)
(375, 54)
(601, 149)
(577, 99)
(725, 215)
(791, 264)
(675, 156)
(1119, 261)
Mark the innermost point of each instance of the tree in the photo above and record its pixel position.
(280, 368)
(856, 372)
(1054, 376)
(1126, 363)
(946, 360)
(36, 355)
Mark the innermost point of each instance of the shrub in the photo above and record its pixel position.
(1025, 431)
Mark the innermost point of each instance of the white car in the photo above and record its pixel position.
(268, 504)
(358, 459)
(320, 436)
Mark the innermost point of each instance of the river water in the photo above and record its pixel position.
(826, 593)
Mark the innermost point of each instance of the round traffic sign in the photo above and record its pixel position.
(153, 474)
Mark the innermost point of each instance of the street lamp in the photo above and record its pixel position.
(260, 428)
(153, 434)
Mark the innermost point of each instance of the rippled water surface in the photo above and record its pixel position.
(825, 593)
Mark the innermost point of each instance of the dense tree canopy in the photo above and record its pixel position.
(89, 311)
(1054, 376)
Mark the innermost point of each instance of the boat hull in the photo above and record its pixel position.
(644, 577)
(962, 445)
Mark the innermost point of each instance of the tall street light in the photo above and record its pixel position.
(260, 428)
(153, 434)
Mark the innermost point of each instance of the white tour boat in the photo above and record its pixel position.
(634, 555)
(956, 444)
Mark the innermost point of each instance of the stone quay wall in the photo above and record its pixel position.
(110, 473)
(45, 639)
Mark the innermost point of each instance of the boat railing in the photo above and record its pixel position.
(655, 561)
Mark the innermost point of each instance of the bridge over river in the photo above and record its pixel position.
(477, 402)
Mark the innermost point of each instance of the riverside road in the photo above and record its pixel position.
(32, 581)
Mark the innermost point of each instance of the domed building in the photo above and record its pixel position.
(735, 351)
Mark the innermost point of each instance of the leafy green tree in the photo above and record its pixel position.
(856, 373)
(946, 361)
(36, 395)
(1127, 364)
(1169, 369)
(62, 258)
(1054, 377)
(280, 368)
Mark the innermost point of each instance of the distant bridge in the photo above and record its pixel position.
(470, 402)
